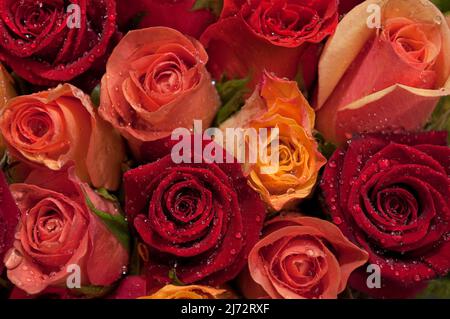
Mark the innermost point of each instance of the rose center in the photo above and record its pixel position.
(281, 21)
(415, 43)
(32, 125)
(50, 225)
(33, 17)
(397, 205)
(38, 126)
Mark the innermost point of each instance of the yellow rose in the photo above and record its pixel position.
(186, 292)
(279, 104)
(6, 92)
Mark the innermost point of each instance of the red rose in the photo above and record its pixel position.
(45, 43)
(199, 220)
(389, 194)
(251, 36)
(9, 215)
(166, 13)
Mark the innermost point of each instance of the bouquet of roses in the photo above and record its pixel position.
(224, 149)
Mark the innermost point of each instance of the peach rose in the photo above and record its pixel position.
(279, 103)
(300, 257)
(155, 82)
(383, 79)
(58, 230)
(6, 93)
(187, 292)
(55, 127)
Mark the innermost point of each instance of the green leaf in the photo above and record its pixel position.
(116, 224)
(95, 96)
(440, 120)
(215, 6)
(103, 192)
(174, 278)
(7, 165)
(326, 148)
(443, 5)
(232, 95)
(437, 289)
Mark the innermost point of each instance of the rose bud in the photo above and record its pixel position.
(388, 78)
(300, 258)
(273, 35)
(53, 128)
(278, 103)
(156, 81)
(153, 13)
(388, 193)
(59, 232)
(48, 42)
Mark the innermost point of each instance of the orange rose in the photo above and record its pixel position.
(280, 104)
(389, 78)
(155, 82)
(55, 127)
(6, 92)
(300, 257)
(187, 292)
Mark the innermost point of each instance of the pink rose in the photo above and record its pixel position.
(57, 229)
(383, 79)
(300, 257)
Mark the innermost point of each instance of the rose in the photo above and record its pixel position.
(154, 13)
(300, 257)
(252, 36)
(53, 128)
(57, 229)
(156, 81)
(279, 104)
(46, 43)
(198, 221)
(6, 92)
(389, 194)
(9, 214)
(389, 78)
(187, 292)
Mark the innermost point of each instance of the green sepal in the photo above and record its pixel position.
(116, 224)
